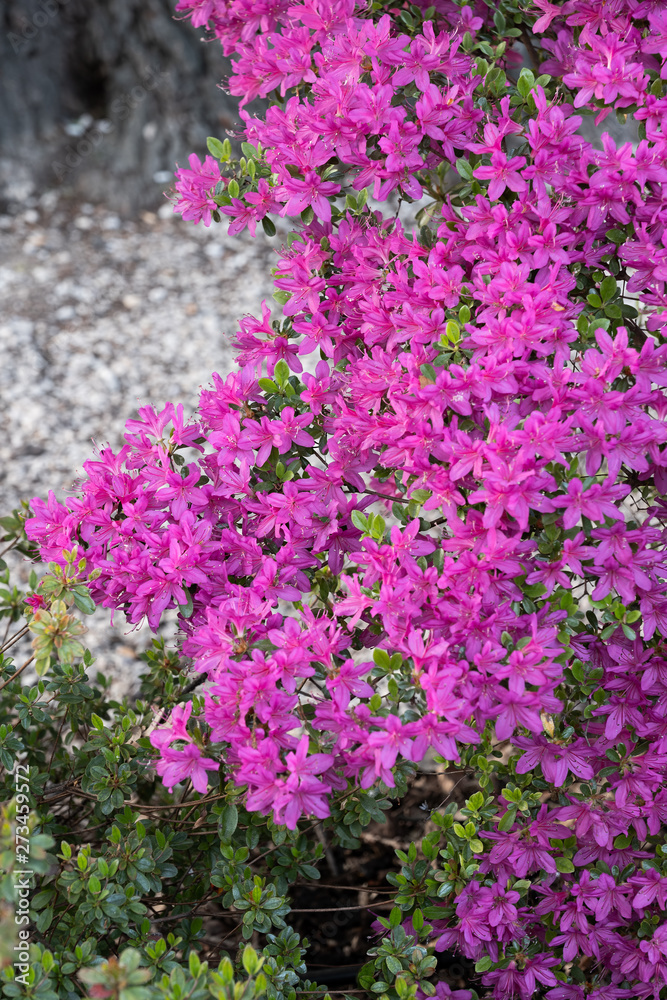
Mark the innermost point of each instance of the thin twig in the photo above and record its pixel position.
(328, 853)
(142, 807)
(386, 496)
(177, 916)
(9, 625)
(347, 888)
(192, 685)
(7, 548)
(233, 931)
(338, 993)
(14, 638)
(339, 909)
(530, 50)
(57, 740)
(19, 671)
(62, 795)
(449, 795)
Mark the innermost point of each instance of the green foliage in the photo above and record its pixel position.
(114, 856)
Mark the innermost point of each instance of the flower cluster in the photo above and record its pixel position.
(493, 384)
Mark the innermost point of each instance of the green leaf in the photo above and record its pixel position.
(499, 21)
(381, 656)
(233, 188)
(496, 80)
(215, 148)
(359, 520)
(507, 821)
(44, 920)
(526, 82)
(476, 801)
(268, 385)
(281, 372)
(268, 226)
(229, 820)
(425, 236)
(484, 964)
(564, 865)
(83, 600)
(187, 608)
(393, 964)
(464, 169)
(378, 526)
(608, 288)
(577, 669)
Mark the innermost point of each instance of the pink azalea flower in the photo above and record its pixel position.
(175, 766)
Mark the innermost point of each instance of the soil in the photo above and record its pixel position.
(336, 914)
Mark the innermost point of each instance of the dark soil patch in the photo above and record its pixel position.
(336, 914)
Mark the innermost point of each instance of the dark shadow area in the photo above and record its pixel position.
(101, 98)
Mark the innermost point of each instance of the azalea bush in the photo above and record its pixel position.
(445, 536)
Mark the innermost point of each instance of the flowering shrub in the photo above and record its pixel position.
(449, 534)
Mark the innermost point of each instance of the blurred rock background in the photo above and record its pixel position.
(102, 97)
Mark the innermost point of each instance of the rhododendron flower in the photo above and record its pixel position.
(555, 760)
(194, 187)
(175, 766)
(595, 502)
(503, 173)
(312, 191)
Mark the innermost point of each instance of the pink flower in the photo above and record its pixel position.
(595, 503)
(312, 191)
(35, 601)
(175, 766)
(194, 188)
(503, 173)
(556, 760)
(551, 11)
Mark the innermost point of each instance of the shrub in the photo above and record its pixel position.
(448, 536)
